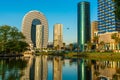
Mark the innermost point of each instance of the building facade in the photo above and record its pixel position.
(29, 27)
(108, 24)
(83, 24)
(39, 34)
(58, 35)
(94, 30)
(106, 17)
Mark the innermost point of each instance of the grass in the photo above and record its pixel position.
(88, 55)
(101, 55)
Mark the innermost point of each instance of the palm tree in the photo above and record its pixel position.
(58, 47)
(89, 45)
(101, 45)
(71, 46)
(64, 46)
(95, 39)
(116, 39)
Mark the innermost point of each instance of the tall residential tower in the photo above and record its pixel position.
(58, 35)
(83, 24)
(108, 24)
(106, 17)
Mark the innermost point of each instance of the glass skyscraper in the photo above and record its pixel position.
(107, 21)
(83, 24)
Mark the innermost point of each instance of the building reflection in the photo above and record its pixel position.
(84, 71)
(81, 70)
(98, 70)
(108, 70)
(57, 68)
(41, 68)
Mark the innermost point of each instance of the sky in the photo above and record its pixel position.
(56, 11)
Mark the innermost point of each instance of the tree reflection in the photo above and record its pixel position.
(10, 69)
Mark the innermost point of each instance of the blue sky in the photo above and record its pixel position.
(56, 11)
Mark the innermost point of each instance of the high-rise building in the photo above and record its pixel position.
(94, 30)
(83, 24)
(58, 35)
(106, 17)
(29, 24)
(39, 34)
(108, 24)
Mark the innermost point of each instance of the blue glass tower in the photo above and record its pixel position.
(83, 24)
(107, 21)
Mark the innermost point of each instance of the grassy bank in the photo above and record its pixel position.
(100, 55)
(88, 55)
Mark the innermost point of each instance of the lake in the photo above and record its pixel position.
(58, 68)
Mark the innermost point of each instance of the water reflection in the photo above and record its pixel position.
(11, 69)
(98, 70)
(84, 70)
(58, 68)
(41, 69)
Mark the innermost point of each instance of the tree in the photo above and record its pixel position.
(11, 40)
(116, 39)
(71, 46)
(95, 39)
(101, 45)
(89, 45)
(58, 47)
(16, 35)
(4, 36)
(64, 46)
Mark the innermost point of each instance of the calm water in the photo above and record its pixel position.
(58, 68)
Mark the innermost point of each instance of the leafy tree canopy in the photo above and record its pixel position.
(11, 40)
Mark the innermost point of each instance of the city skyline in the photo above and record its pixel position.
(65, 13)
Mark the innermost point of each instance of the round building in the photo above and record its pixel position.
(35, 29)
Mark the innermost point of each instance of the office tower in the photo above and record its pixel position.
(29, 23)
(58, 35)
(108, 24)
(94, 30)
(39, 34)
(83, 24)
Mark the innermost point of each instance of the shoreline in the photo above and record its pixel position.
(86, 55)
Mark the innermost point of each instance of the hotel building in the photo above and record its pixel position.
(35, 29)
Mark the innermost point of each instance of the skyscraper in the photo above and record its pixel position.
(58, 35)
(108, 24)
(30, 21)
(83, 23)
(39, 34)
(106, 17)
